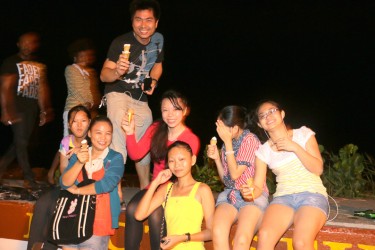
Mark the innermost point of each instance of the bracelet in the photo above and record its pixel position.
(229, 152)
(188, 237)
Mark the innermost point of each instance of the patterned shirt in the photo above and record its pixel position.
(244, 151)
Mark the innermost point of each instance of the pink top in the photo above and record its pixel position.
(137, 150)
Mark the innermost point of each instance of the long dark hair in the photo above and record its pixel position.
(160, 138)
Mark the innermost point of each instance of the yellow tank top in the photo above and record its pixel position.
(184, 214)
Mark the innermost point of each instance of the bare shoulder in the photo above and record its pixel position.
(162, 189)
(204, 189)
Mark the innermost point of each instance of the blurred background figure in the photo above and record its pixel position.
(81, 79)
(24, 93)
(82, 85)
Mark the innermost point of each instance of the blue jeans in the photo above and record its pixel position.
(298, 200)
(261, 202)
(94, 243)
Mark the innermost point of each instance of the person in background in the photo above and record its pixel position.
(162, 133)
(81, 79)
(24, 94)
(130, 79)
(79, 118)
(107, 177)
(186, 202)
(300, 199)
(82, 85)
(235, 165)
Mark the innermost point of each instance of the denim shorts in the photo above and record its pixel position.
(94, 243)
(298, 200)
(261, 202)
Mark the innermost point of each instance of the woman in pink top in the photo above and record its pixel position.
(157, 138)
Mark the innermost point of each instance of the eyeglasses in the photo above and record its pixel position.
(264, 115)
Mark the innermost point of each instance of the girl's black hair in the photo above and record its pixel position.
(100, 118)
(73, 112)
(180, 144)
(255, 118)
(177, 144)
(160, 138)
(235, 115)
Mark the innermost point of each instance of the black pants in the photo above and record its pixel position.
(41, 222)
(134, 228)
(22, 131)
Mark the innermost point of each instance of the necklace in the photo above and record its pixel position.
(273, 143)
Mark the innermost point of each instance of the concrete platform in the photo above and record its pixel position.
(342, 231)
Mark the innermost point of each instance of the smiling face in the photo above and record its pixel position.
(180, 161)
(269, 116)
(173, 115)
(101, 135)
(79, 124)
(144, 25)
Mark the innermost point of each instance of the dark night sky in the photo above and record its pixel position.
(315, 57)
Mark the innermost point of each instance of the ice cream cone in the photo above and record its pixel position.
(250, 183)
(213, 141)
(130, 114)
(126, 51)
(84, 144)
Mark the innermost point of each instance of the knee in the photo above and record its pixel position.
(155, 219)
(217, 232)
(243, 239)
(263, 234)
(130, 210)
(300, 243)
(22, 144)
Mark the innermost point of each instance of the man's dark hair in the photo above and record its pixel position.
(153, 5)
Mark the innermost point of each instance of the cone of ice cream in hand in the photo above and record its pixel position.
(213, 141)
(84, 144)
(126, 51)
(250, 183)
(130, 114)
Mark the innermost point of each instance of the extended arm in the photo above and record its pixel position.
(111, 70)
